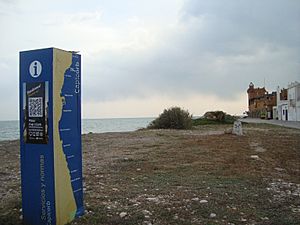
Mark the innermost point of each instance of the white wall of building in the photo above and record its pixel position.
(282, 107)
(294, 101)
(284, 112)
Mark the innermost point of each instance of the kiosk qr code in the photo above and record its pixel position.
(35, 106)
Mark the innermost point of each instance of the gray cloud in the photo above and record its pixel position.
(275, 21)
(215, 48)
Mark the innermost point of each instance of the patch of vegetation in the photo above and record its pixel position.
(214, 118)
(172, 118)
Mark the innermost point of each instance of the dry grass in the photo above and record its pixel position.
(161, 176)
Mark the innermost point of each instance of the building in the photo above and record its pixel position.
(282, 104)
(293, 97)
(260, 102)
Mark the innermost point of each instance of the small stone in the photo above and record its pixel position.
(21, 217)
(153, 199)
(254, 157)
(123, 214)
(146, 212)
(243, 220)
(203, 201)
(138, 169)
(260, 149)
(195, 199)
(212, 215)
(296, 210)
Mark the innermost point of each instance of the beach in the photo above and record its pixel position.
(199, 176)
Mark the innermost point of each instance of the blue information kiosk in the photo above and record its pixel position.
(50, 136)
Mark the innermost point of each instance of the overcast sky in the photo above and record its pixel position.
(141, 56)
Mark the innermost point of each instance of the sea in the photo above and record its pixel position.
(9, 130)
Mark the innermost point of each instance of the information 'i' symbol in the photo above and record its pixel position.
(35, 69)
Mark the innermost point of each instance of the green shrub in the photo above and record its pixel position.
(172, 118)
(214, 117)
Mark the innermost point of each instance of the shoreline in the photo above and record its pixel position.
(10, 129)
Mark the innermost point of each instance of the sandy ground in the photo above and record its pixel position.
(201, 176)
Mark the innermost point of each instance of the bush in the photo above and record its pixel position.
(172, 118)
(214, 117)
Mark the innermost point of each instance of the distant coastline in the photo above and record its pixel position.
(9, 130)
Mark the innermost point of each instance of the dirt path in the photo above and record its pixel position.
(289, 124)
